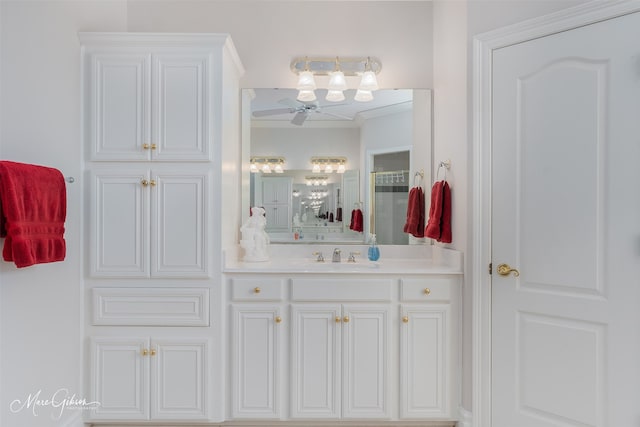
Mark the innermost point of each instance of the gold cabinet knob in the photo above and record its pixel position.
(153, 146)
(427, 291)
(144, 182)
(144, 352)
(278, 319)
(346, 319)
(405, 319)
(152, 352)
(257, 290)
(152, 182)
(146, 146)
(338, 319)
(505, 270)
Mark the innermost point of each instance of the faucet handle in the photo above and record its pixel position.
(319, 255)
(352, 256)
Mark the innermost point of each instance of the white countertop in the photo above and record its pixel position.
(417, 259)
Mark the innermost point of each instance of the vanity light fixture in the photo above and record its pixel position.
(316, 180)
(328, 164)
(336, 68)
(267, 164)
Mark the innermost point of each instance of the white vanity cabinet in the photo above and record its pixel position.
(343, 347)
(339, 361)
(143, 378)
(150, 223)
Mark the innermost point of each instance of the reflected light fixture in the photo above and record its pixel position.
(266, 164)
(328, 164)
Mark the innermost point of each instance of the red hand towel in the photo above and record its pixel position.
(445, 222)
(34, 208)
(357, 221)
(433, 230)
(415, 213)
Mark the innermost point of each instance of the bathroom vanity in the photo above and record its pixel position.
(344, 340)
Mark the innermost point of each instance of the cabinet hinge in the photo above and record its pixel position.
(490, 268)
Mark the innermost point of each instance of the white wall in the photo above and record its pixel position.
(399, 33)
(40, 305)
(298, 145)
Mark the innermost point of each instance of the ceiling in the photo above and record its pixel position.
(347, 113)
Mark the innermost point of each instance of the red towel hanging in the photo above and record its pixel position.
(414, 224)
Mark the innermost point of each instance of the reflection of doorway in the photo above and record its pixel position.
(389, 185)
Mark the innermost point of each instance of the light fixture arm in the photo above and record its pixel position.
(322, 66)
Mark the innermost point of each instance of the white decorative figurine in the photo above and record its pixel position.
(254, 239)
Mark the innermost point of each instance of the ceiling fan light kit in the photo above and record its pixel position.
(336, 68)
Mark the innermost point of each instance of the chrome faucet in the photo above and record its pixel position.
(336, 255)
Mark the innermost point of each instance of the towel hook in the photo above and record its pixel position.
(418, 174)
(446, 164)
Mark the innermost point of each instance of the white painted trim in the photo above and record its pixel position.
(465, 418)
(483, 47)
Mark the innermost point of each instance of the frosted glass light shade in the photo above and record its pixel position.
(369, 81)
(337, 81)
(278, 168)
(316, 168)
(266, 168)
(253, 168)
(335, 96)
(363, 95)
(306, 81)
(341, 168)
(306, 96)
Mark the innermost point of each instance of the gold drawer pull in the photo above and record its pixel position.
(405, 319)
(257, 290)
(278, 319)
(427, 291)
(149, 146)
(346, 319)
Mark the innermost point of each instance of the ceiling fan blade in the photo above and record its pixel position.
(272, 112)
(299, 118)
(291, 103)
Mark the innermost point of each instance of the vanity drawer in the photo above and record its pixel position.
(256, 289)
(428, 289)
(342, 289)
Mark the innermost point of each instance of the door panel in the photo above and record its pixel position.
(564, 213)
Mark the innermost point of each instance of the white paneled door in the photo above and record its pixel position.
(566, 216)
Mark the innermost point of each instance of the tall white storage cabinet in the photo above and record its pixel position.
(160, 116)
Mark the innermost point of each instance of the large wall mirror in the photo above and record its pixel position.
(373, 149)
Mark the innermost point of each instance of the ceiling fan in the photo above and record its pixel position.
(301, 110)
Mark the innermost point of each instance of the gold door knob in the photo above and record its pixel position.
(152, 352)
(346, 319)
(144, 182)
(278, 319)
(256, 290)
(427, 291)
(505, 270)
(153, 146)
(338, 319)
(144, 352)
(405, 319)
(152, 182)
(146, 146)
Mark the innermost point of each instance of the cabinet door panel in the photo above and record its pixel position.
(119, 91)
(316, 364)
(119, 379)
(180, 213)
(256, 362)
(423, 362)
(179, 379)
(181, 111)
(119, 226)
(365, 343)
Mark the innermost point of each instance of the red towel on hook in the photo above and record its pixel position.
(439, 223)
(357, 221)
(34, 208)
(415, 213)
